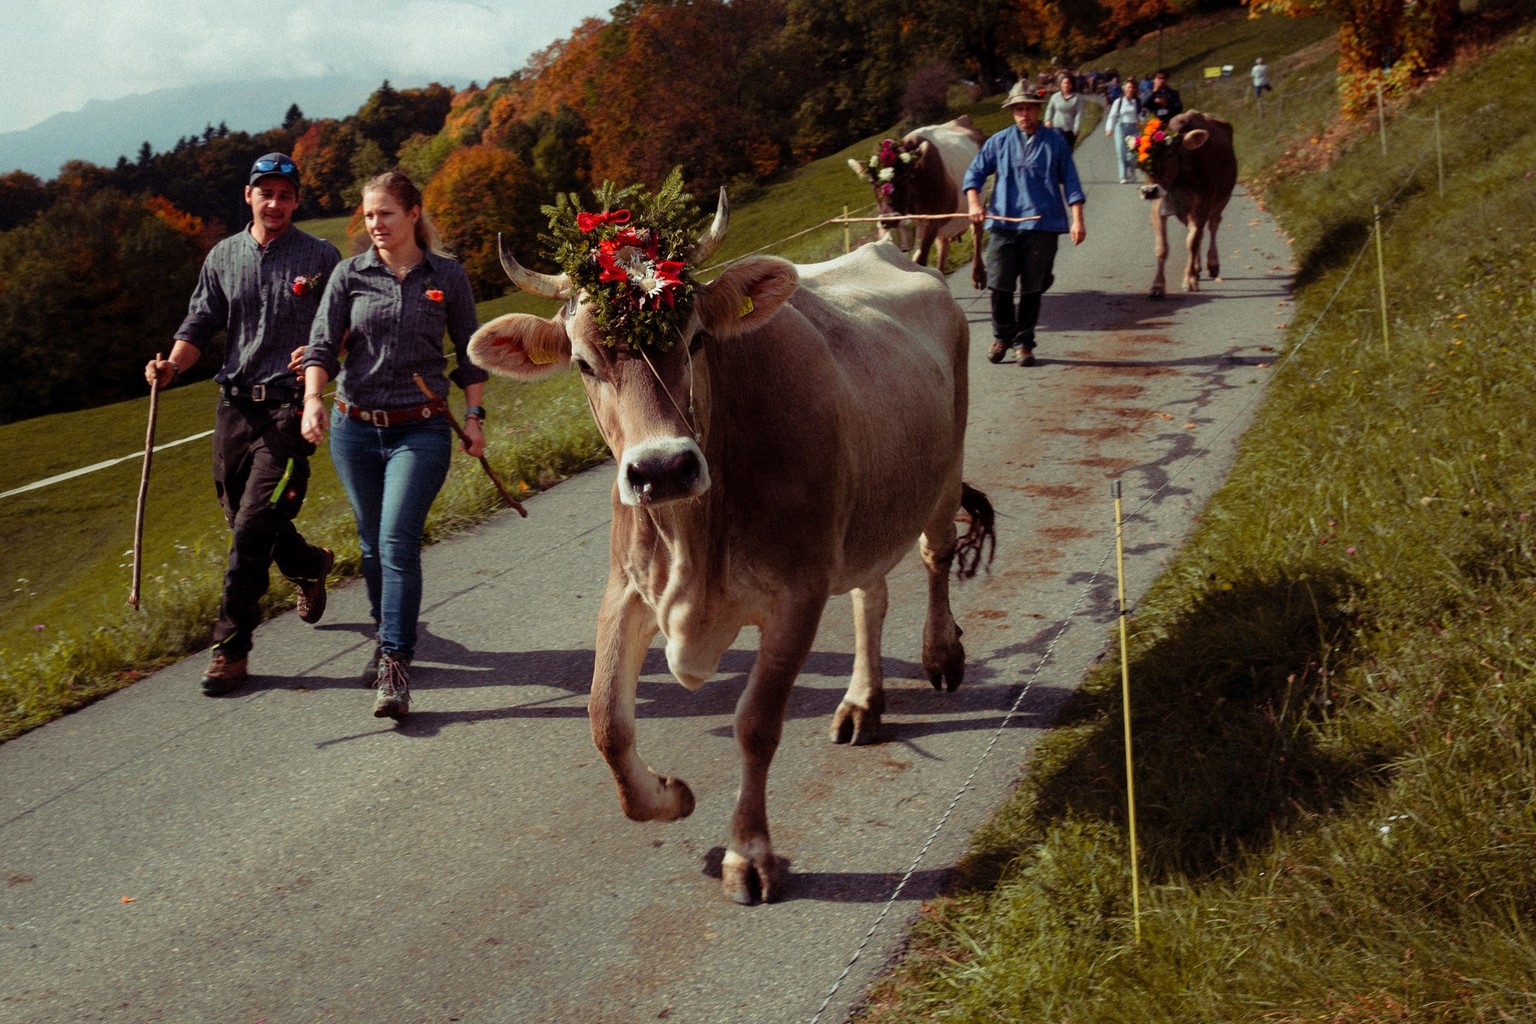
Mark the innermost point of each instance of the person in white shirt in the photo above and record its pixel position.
(1260, 75)
(1123, 123)
(1065, 110)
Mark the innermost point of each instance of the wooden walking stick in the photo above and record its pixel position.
(484, 462)
(138, 516)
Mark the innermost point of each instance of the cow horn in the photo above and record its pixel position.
(549, 286)
(710, 240)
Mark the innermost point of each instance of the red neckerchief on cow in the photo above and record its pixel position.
(630, 259)
(1153, 136)
(886, 163)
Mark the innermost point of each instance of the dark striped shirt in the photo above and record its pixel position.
(248, 293)
(390, 329)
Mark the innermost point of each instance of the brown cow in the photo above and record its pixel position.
(1195, 171)
(925, 180)
(804, 430)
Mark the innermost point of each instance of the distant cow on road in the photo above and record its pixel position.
(922, 177)
(801, 430)
(1195, 169)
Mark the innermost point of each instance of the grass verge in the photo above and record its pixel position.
(1334, 687)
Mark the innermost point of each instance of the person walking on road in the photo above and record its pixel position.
(1164, 101)
(1122, 122)
(1260, 75)
(261, 287)
(1065, 111)
(388, 308)
(1035, 178)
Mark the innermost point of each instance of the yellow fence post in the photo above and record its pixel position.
(1125, 698)
(1439, 153)
(847, 234)
(1381, 277)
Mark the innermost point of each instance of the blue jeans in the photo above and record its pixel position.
(392, 475)
(1126, 155)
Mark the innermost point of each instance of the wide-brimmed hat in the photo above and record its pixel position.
(1022, 92)
(280, 164)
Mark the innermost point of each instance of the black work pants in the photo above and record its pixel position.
(261, 474)
(1023, 260)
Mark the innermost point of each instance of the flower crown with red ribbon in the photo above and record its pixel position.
(630, 259)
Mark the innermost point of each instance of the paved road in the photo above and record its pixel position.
(282, 856)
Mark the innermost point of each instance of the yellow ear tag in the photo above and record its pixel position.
(539, 354)
(746, 307)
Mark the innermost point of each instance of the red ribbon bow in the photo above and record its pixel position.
(592, 221)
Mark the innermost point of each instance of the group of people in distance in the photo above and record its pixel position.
(1037, 196)
(290, 307)
(296, 316)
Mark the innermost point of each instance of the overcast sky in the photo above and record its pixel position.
(58, 54)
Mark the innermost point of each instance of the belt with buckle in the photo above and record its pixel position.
(261, 393)
(394, 417)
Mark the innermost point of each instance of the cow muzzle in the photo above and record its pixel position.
(658, 472)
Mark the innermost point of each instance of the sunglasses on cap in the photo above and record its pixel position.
(267, 165)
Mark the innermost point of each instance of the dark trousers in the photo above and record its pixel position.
(1022, 260)
(261, 474)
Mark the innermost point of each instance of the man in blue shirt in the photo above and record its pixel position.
(261, 288)
(1036, 186)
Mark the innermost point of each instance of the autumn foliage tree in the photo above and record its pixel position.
(88, 292)
(482, 191)
(1389, 43)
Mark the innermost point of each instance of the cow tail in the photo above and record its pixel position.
(980, 537)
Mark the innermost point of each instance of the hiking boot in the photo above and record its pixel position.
(1027, 357)
(997, 351)
(394, 698)
(225, 672)
(370, 676)
(312, 592)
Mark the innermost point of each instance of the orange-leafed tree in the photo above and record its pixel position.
(479, 192)
(671, 92)
(1389, 43)
(324, 155)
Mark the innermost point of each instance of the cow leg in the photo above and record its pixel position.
(925, 233)
(1160, 240)
(1192, 244)
(1212, 257)
(941, 251)
(857, 719)
(943, 654)
(750, 871)
(624, 630)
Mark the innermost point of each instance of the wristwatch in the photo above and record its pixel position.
(477, 411)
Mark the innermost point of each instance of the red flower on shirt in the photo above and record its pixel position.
(435, 294)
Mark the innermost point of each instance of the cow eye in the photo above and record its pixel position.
(584, 367)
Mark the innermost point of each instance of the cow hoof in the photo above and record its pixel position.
(749, 882)
(856, 725)
(671, 800)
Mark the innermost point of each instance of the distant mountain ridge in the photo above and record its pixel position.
(104, 130)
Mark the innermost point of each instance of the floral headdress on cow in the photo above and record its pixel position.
(631, 258)
(1154, 136)
(886, 163)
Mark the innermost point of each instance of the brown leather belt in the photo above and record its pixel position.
(394, 417)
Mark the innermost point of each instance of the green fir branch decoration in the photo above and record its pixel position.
(630, 257)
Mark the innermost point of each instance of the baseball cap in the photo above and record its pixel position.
(275, 163)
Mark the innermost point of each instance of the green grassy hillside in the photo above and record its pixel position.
(1334, 685)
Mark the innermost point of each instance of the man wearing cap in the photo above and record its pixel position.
(261, 287)
(1036, 187)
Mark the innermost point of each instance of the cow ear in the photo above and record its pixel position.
(859, 168)
(1195, 138)
(521, 345)
(746, 296)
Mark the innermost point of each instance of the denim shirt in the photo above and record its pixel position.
(250, 293)
(1033, 172)
(388, 329)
